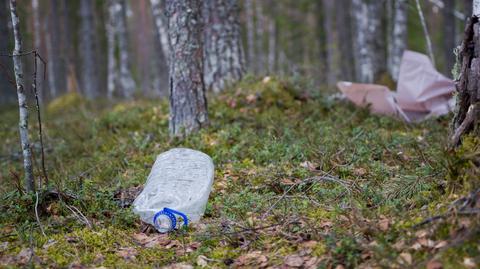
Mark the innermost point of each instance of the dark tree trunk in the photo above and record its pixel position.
(449, 35)
(89, 79)
(249, 17)
(467, 113)
(56, 67)
(223, 52)
(7, 89)
(331, 42)
(344, 26)
(188, 105)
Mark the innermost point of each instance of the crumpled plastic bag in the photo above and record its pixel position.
(422, 91)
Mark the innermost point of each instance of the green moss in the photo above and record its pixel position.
(265, 139)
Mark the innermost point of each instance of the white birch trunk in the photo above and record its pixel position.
(250, 34)
(476, 7)
(126, 80)
(398, 38)
(160, 19)
(112, 65)
(22, 99)
(362, 48)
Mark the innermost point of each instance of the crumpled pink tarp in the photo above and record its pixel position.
(421, 91)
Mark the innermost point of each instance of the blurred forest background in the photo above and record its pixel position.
(90, 44)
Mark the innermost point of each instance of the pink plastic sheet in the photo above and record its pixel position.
(422, 91)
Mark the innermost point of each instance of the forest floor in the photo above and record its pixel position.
(300, 181)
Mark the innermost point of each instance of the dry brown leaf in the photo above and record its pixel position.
(311, 263)
(434, 264)
(202, 261)
(399, 245)
(384, 225)
(152, 240)
(469, 262)
(416, 246)
(339, 267)
(294, 260)
(441, 244)
(406, 258)
(359, 171)
(181, 265)
(24, 256)
(252, 258)
(309, 244)
(127, 253)
(426, 242)
(421, 233)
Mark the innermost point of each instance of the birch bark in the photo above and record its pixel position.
(22, 99)
(398, 38)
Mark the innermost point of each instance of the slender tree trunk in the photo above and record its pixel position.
(89, 80)
(112, 65)
(188, 105)
(22, 99)
(68, 49)
(449, 35)
(162, 47)
(56, 54)
(425, 32)
(328, 18)
(467, 112)
(37, 42)
(344, 26)
(249, 17)
(272, 45)
(158, 12)
(363, 46)
(259, 38)
(223, 52)
(398, 40)
(127, 83)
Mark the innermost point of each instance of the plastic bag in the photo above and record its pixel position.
(178, 186)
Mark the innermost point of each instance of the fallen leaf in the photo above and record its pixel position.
(252, 258)
(384, 224)
(421, 233)
(294, 260)
(441, 244)
(24, 256)
(469, 262)
(178, 266)
(434, 264)
(202, 261)
(406, 257)
(152, 240)
(127, 253)
(311, 262)
(359, 171)
(416, 246)
(426, 242)
(339, 267)
(309, 244)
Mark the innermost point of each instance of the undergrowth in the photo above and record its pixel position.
(300, 180)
